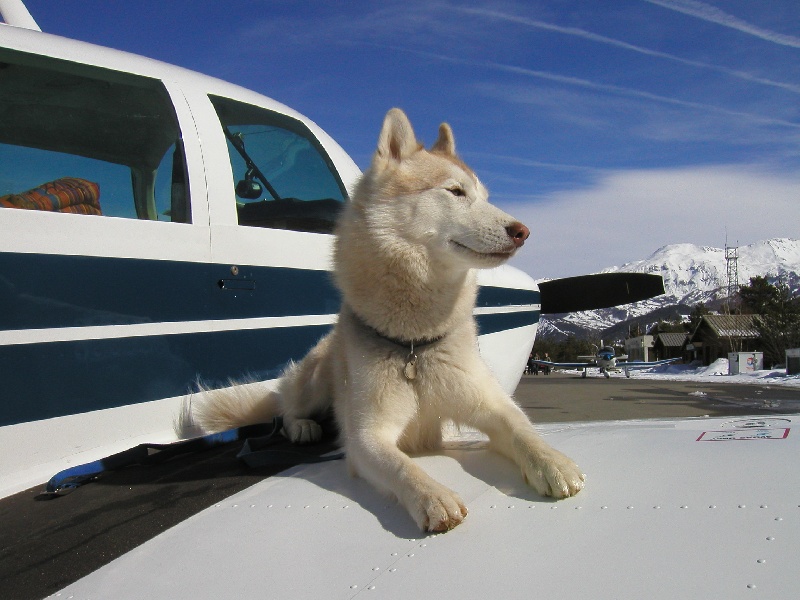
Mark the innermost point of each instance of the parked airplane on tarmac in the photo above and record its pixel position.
(158, 226)
(606, 360)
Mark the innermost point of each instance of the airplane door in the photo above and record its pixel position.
(104, 238)
(273, 197)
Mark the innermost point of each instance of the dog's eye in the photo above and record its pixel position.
(457, 191)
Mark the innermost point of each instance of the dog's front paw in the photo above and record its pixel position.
(553, 474)
(302, 431)
(438, 509)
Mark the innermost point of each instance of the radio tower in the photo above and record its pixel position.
(732, 260)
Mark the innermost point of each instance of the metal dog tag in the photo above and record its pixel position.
(410, 370)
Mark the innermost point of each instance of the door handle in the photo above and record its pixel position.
(237, 284)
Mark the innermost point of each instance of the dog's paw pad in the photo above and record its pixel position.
(554, 475)
(303, 431)
(441, 510)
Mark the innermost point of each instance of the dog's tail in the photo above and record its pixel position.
(214, 410)
(304, 390)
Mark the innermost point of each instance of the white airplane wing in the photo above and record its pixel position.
(703, 508)
(567, 365)
(638, 364)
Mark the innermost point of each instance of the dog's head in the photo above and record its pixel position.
(431, 199)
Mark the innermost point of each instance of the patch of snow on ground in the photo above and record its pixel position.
(717, 370)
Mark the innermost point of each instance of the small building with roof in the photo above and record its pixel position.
(669, 345)
(639, 348)
(717, 335)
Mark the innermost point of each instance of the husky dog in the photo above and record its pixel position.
(403, 360)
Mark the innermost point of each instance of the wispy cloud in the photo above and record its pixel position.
(634, 93)
(601, 87)
(626, 215)
(602, 39)
(594, 117)
(710, 13)
(525, 162)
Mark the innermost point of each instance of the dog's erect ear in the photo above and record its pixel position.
(397, 140)
(446, 142)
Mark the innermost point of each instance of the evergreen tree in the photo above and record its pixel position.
(566, 350)
(778, 316)
(696, 316)
(758, 296)
(635, 330)
(676, 326)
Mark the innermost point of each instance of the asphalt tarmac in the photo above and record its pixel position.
(566, 396)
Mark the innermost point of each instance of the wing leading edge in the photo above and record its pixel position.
(637, 364)
(560, 365)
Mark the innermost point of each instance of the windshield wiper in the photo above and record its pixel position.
(252, 170)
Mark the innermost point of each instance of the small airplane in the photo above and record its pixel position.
(153, 257)
(606, 360)
(183, 222)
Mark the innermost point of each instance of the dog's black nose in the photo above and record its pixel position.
(518, 233)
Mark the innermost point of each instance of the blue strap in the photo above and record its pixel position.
(67, 480)
(254, 453)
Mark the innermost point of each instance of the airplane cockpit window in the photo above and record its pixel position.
(79, 139)
(282, 176)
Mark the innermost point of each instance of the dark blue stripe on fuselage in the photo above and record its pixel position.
(39, 291)
(490, 296)
(44, 380)
(500, 322)
(64, 378)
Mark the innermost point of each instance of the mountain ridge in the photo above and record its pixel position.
(692, 275)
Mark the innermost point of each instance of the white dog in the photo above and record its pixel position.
(403, 360)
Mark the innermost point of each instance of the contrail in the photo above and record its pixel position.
(710, 13)
(633, 93)
(592, 85)
(603, 87)
(601, 39)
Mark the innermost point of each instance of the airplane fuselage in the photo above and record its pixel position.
(160, 227)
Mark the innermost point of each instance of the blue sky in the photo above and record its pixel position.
(611, 128)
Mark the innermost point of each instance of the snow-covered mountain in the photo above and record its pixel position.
(692, 275)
